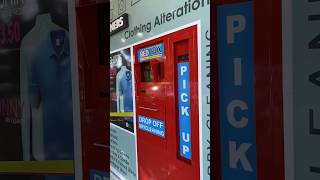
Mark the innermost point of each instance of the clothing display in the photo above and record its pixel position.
(36, 100)
(51, 87)
(124, 90)
(46, 92)
(32, 117)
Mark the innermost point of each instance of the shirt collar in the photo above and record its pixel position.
(65, 49)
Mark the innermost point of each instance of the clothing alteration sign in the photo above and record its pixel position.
(151, 52)
(236, 91)
(184, 109)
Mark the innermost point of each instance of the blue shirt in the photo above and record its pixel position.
(51, 86)
(124, 88)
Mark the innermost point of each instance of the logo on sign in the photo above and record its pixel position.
(150, 53)
(184, 109)
(119, 24)
(236, 91)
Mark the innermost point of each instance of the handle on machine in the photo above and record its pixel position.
(101, 145)
(150, 109)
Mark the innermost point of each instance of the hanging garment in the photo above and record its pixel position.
(51, 87)
(32, 118)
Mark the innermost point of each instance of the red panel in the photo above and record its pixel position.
(93, 92)
(268, 79)
(158, 158)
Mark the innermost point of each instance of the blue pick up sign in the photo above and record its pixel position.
(184, 109)
(236, 91)
(153, 126)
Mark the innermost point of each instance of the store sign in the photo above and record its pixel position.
(236, 91)
(152, 126)
(151, 52)
(184, 109)
(119, 24)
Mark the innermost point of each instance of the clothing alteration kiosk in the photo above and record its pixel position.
(167, 113)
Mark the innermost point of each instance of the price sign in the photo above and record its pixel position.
(10, 34)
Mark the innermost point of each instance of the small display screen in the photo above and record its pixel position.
(146, 72)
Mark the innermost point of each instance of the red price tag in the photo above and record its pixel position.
(10, 33)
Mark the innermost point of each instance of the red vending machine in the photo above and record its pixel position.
(167, 112)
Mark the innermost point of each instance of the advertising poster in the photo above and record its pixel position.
(121, 104)
(137, 22)
(122, 153)
(36, 111)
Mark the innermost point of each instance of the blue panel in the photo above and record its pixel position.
(184, 109)
(153, 126)
(236, 91)
(98, 175)
(151, 52)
